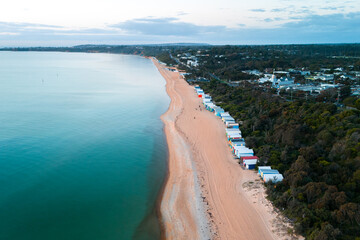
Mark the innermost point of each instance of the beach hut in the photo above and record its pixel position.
(273, 178)
(199, 90)
(200, 93)
(196, 87)
(236, 142)
(228, 130)
(250, 163)
(224, 114)
(218, 110)
(234, 135)
(233, 131)
(232, 125)
(268, 171)
(228, 119)
(248, 158)
(210, 107)
(206, 96)
(242, 151)
(205, 100)
(263, 167)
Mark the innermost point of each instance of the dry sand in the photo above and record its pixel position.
(207, 194)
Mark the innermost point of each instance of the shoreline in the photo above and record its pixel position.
(179, 218)
(206, 194)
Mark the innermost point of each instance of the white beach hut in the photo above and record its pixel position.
(228, 119)
(218, 110)
(263, 167)
(273, 178)
(242, 151)
(224, 114)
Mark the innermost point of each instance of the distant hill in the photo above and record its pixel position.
(143, 45)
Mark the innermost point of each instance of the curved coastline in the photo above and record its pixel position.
(206, 194)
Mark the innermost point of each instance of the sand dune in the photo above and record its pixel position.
(207, 194)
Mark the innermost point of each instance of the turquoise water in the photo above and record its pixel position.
(82, 148)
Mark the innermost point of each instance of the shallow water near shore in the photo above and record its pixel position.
(82, 147)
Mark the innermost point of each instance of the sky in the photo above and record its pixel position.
(74, 22)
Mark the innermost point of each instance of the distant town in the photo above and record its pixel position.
(336, 77)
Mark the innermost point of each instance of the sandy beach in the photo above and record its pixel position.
(207, 194)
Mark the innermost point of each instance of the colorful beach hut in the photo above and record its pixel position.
(273, 178)
(250, 163)
(263, 167)
(234, 135)
(268, 171)
(236, 142)
(242, 151)
(232, 125)
(218, 111)
(228, 119)
(224, 114)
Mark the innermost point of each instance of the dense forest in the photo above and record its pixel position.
(315, 145)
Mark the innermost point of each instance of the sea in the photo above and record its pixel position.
(83, 154)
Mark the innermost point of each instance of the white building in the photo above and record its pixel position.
(325, 77)
(192, 63)
(281, 82)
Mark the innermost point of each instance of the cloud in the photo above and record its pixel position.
(278, 10)
(9, 33)
(336, 23)
(257, 10)
(312, 28)
(165, 27)
(181, 13)
(331, 8)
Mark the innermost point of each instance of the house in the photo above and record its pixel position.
(305, 73)
(264, 80)
(324, 77)
(346, 76)
(252, 72)
(192, 63)
(273, 178)
(339, 69)
(281, 82)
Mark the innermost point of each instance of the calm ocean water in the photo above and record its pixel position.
(82, 148)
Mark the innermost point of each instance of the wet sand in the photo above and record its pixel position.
(207, 194)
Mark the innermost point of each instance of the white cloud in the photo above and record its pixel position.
(9, 33)
(129, 22)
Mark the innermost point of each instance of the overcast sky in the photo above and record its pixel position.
(71, 22)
